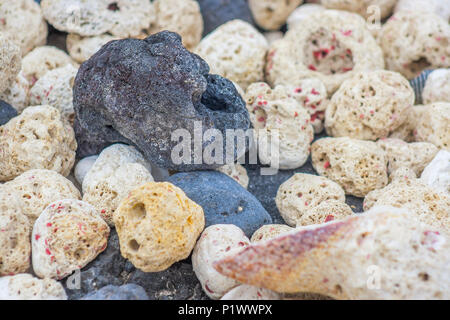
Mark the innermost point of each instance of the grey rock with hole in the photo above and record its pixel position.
(140, 92)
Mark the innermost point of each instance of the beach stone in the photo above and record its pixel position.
(35, 189)
(305, 191)
(158, 225)
(83, 166)
(437, 173)
(10, 61)
(237, 172)
(413, 41)
(26, 287)
(110, 268)
(217, 12)
(23, 20)
(180, 16)
(437, 87)
(15, 250)
(224, 201)
(216, 242)
(358, 166)
(36, 139)
(125, 292)
(272, 14)
(334, 259)
(43, 59)
(369, 105)
(331, 45)
(149, 102)
(270, 231)
(235, 50)
(17, 95)
(433, 125)
(7, 112)
(67, 236)
(422, 201)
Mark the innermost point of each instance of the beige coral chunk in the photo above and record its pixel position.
(236, 51)
(82, 48)
(312, 95)
(302, 192)
(180, 16)
(17, 94)
(36, 189)
(237, 172)
(272, 14)
(246, 292)
(111, 159)
(402, 173)
(415, 155)
(15, 249)
(23, 20)
(358, 166)
(27, 287)
(437, 87)
(10, 61)
(157, 225)
(106, 194)
(413, 41)
(301, 13)
(407, 129)
(421, 200)
(55, 88)
(67, 236)
(43, 59)
(437, 173)
(325, 211)
(281, 123)
(439, 7)
(36, 139)
(382, 254)
(434, 125)
(123, 18)
(270, 231)
(365, 8)
(330, 45)
(216, 242)
(369, 105)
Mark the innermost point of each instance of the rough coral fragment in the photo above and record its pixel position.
(338, 258)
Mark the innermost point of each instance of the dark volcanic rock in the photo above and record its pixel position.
(7, 112)
(140, 92)
(217, 12)
(110, 268)
(125, 292)
(224, 201)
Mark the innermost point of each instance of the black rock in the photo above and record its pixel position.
(224, 201)
(7, 112)
(217, 12)
(140, 92)
(125, 292)
(110, 268)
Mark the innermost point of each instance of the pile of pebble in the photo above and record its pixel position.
(91, 91)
